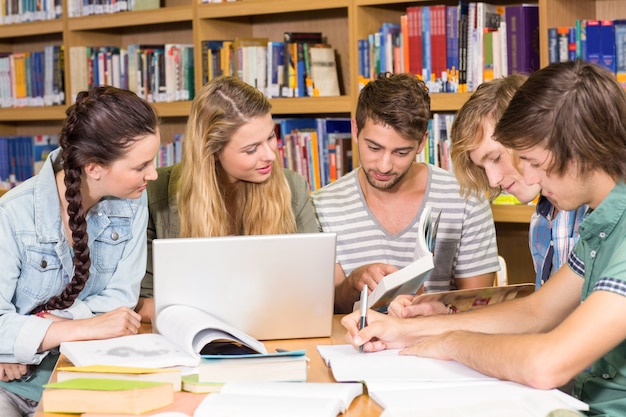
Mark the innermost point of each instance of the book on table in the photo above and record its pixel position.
(302, 399)
(409, 279)
(472, 298)
(170, 375)
(190, 337)
(82, 395)
(423, 385)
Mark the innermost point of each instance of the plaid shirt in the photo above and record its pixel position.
(552, 239)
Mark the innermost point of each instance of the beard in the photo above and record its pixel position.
(384, 185)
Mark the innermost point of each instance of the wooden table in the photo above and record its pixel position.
(362, 406)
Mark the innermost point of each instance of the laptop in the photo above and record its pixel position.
(268, 286)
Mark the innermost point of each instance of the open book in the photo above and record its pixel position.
(409, 279)
(185, 333)
(477, 297)
(411, 386)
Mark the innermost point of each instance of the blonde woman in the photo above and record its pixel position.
(229, 181)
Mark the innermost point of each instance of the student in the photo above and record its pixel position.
(483, 165)
(73, 240)
(375, 209)
(229, 181)
(567, 124)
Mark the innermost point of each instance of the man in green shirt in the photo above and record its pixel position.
(568, 125)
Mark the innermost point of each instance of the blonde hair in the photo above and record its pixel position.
(222, 106)
(488, 102)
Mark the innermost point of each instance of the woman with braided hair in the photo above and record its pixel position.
(73, 247)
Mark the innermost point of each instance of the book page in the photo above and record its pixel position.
(367, 366)
(193, 329)
(328, 352)
(345, 392)
(490, 397)
(242, 405)
(409, 279)
(140, 350)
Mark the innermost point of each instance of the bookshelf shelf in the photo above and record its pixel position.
(342, 23)
(313, 105)
(132, 19)
(27, 114)
(44, 27)
(261, 7)
(519, 213)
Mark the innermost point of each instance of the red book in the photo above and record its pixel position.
(414, 23)
(438, 47)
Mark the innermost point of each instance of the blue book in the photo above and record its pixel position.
(594, 49)
(426, 47)
(452, 37)
(607, 44)
(5, 161)
(620, 50)
(553, 45)
(364, 58)
(326, 126)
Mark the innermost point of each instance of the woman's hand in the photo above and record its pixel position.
(12, 371)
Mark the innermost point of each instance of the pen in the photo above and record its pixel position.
(363, 304)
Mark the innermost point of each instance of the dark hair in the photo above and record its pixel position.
(576, 111)
(400, 101)
(99, 128)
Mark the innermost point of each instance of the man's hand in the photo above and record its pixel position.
(370, 275)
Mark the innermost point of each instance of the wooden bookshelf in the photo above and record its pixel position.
(342, 22)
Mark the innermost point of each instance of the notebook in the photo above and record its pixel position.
(270, 286)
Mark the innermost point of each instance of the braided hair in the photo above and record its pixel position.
(99, 128)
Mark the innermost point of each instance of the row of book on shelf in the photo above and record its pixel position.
(302, 64)
(21, 11)
(454, 47)
(32, 78)
(21, 157)
(320, 149)
(90, 7)
(601, 42)
(157, 73)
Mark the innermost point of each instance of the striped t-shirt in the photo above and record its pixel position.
(466, 239)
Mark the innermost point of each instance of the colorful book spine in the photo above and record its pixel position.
(620, 50)
(414, 17)
(607, 44)
(553, 45)
(594, 52)
(522, 26)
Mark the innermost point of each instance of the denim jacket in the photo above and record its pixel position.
(36, 259)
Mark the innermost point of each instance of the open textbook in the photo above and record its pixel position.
(185, 333)
(471, 298)
(406, 385)
(409, 279)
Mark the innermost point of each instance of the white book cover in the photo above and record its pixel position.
(302, 399)
(409, 279)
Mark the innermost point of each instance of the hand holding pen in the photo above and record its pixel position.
(363, 305)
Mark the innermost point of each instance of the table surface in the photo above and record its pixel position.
(362, 406)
